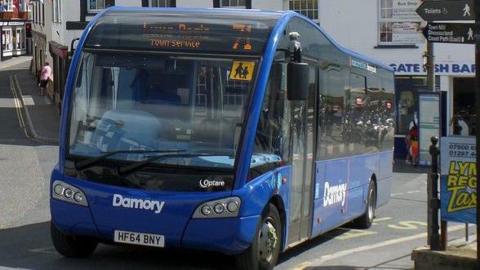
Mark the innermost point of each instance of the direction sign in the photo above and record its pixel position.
(458, 10)
(450, 33)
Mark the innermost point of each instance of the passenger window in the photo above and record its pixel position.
(331, 122)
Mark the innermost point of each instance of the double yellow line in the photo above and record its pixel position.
(18, 100)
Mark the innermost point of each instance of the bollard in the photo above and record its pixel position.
(433, 201)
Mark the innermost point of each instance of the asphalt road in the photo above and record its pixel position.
(25, 243)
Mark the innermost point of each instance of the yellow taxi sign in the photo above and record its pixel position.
(242, 70)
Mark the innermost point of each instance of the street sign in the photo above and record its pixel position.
(450, 33)
(459, 10)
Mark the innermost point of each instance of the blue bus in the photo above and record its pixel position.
(244, 132)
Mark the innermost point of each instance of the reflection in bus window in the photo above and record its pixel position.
(126, 101)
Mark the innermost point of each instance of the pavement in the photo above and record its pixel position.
(41, 116)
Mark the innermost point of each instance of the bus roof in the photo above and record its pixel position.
(234, 31)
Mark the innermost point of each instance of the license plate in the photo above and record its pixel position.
(143, 239)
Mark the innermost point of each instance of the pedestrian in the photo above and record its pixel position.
(413, 150)
(45, 76)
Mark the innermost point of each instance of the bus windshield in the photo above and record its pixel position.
(129, 102)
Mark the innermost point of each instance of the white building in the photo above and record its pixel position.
(387, 30)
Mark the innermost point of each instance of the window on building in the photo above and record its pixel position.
(8, 5)
(7, 40)
(24, 6)
(398, 22)
(162, 3)
(19, 39)
(308, 8)
(43, 14)
(57, 7)
(96, 5)
(233, 3)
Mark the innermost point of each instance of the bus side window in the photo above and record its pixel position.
(331, 109)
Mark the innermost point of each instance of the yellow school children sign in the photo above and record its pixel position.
(242, 70)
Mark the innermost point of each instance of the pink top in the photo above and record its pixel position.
(46, 73)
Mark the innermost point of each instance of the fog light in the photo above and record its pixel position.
(58, 189)
(219, 208)
(78, 197)
(232, 206)
(68, 193)
(206, 210)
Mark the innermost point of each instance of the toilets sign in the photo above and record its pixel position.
(459, 10)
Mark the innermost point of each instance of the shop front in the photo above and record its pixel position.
(13, 39)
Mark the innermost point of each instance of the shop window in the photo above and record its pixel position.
(19, 39)
(97, 5)
(308, 8)
(398, 22)
(407, 101)
(463, 107)
(57, 8)
(7, 40)
(162, 3)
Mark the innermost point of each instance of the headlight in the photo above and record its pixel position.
(228, 207)
(68, 193)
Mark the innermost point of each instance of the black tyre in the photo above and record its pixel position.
(71, 246)
(264, 251)
(366, 220)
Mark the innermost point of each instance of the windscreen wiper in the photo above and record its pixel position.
(92, 161)
(136, 166)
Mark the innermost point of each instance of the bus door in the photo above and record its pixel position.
(302, 136)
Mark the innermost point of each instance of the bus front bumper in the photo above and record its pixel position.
(100, 220)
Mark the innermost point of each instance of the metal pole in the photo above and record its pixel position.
(430, 65)
(433, 201)
(477, 126)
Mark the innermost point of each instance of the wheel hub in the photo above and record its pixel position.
(267, 241)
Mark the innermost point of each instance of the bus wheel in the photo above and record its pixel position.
(264, 251)
(71, 246)
(365, 221)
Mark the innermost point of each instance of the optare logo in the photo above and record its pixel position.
(152, 205)
(206, 183)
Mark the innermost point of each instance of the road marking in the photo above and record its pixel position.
(347, 252)
(413, 191)
(382, 219)
(396, 194)
(407, 225)
(18, 108)
(28, 100)
(44, 250)
(353, 233)
(302, 266)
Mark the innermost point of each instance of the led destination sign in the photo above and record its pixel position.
(222, 35)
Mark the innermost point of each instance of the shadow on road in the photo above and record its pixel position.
(310, 244)
(401, 166)
(30, 247)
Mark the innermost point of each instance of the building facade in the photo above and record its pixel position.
(13, 21)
